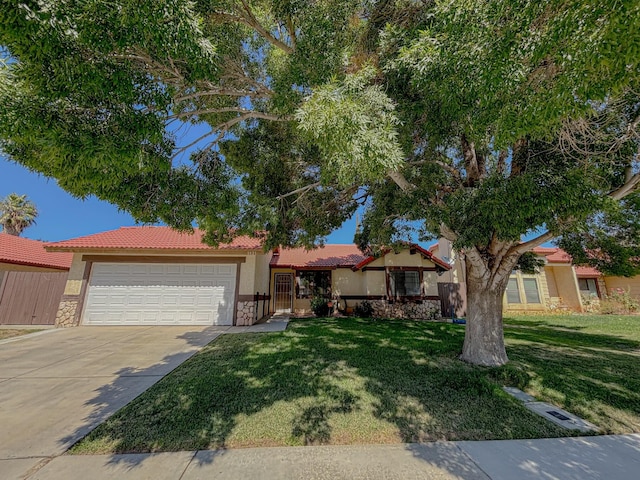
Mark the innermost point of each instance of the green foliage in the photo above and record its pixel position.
(619, 302)
(363, 310)
(17, 213)
(320, 306)
(530, 263)
(354, 125)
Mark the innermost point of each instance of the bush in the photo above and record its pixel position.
(363, 310)
(319, 306)
(619, 301)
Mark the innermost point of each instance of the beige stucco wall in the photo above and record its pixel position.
(375, 282)
(567, 286)
(74, 280)
(551, 282)
(430, 283)
(631, 285)
(262, 272)
(247, 283)
(345, 281)
(10, 267)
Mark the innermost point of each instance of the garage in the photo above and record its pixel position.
(160, 294)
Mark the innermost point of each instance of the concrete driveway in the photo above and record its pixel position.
(57, 386)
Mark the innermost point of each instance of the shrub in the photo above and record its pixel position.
(619, 301)
(319, 306)
(363, 310)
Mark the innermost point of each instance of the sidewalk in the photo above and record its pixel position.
(579, 458)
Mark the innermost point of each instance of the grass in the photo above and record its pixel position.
(354, 381)
(587, 364)
(14, 332)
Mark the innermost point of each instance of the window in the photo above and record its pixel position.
(313, 283)
(523, 290)
(588, 286)
(531, 290)
(404, 283)
(513, 293)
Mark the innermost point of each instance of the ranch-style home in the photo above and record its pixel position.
(558, 285)
(157, 276)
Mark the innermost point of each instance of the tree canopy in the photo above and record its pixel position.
(478, 121)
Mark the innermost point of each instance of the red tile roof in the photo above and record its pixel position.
(334, 256)
(586, 272)
(23, 251)
(557, 255)
(147, 238)
(329, 256)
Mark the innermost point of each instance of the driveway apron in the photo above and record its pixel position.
(55, 388)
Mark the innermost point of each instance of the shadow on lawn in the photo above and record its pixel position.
(592, 375)
(404, 375)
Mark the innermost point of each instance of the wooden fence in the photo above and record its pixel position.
(453, 296)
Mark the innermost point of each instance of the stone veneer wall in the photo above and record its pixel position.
(66, 316)
(427, 310)
(246, 314)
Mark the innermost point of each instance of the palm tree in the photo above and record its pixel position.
(17, 213)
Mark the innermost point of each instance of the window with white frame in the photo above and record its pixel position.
(588, 286)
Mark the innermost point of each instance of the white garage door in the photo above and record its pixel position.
(160, 294)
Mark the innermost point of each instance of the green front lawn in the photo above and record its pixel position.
(344, 381)
(15, 332)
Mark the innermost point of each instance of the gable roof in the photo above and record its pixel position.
(23, 251)
(413, 247)
(328, 256)
(150, 238)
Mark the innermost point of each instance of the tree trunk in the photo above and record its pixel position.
(11, 230)
(484, 337)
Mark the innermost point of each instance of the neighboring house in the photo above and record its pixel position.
(559, 284)
(31, 281)
(157, 276)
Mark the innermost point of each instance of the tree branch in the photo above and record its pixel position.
(629, 187)
(533, 243)
(400, 180)
(230, 92)
(252, 21)
(299, 190)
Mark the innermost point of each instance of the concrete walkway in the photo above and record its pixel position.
(57, 386)
(606, 457)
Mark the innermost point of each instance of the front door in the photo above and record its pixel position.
(283, 292)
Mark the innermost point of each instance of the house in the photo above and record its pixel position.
(558, 285)
(31, 281)
(396, 284)
(158, 276)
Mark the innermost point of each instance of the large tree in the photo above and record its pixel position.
(477, 121)
(17, 213)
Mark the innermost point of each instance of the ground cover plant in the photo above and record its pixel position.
(14, 332)
(356, 381)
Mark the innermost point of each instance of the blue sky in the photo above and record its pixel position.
(62, 216)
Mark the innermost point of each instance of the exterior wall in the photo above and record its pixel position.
(430, 283)
(567, 286)
(262, 272)
(456, 274)
(69, 310)
(375, 282)
(345, 281)
(551, 282)
(631, 285)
